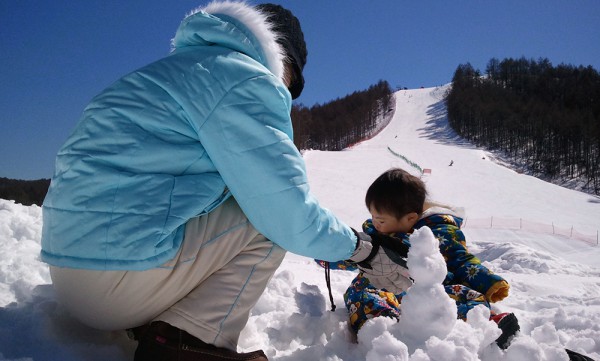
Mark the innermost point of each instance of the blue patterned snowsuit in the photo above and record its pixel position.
(468, 282)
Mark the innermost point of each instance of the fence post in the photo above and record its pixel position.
(492, 222)
(520, 223)
(553, 228)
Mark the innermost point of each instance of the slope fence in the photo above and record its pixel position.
(410, 162)
(514, 223)
(531, 226)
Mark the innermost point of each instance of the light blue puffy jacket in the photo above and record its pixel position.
(173, 140)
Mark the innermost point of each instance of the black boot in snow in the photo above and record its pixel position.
(509, 325)
(574, 356)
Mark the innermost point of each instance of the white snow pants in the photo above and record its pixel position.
(208, 289)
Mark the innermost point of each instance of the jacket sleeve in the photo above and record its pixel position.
(464, 266)
(248, 138)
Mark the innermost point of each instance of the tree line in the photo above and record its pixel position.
(331, 126)
(343, 121)
(26, 192)
(545, 117)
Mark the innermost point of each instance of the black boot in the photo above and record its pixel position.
(509, 326)
(163, 342)
(574, 356)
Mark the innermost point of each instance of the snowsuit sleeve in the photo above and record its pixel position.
(463, 267)
(339, 265)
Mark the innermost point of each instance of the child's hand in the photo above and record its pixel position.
(498, 291)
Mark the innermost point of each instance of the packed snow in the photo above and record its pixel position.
(540, 237)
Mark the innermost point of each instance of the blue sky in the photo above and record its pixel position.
(56, 55)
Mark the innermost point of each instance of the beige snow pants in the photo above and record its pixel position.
(208, 289)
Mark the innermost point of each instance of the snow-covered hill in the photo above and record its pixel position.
(555, 279)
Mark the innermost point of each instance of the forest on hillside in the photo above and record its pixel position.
(26, 192)
(344, 121)
(544, 118)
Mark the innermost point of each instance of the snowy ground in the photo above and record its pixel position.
(555, 280)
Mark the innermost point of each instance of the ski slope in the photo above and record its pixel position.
(555, 280)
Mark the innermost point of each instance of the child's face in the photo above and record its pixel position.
(388, 223)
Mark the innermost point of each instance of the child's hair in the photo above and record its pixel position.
(396, 192)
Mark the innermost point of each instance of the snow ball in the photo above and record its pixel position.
(444, 350)
(387, 348)
(425, 262)
(484, 330)
(310, 300)
(419, 355)
(375, 327)
(545, 334)
(524, 348)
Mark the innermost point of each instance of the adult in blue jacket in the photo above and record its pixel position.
(179, 191)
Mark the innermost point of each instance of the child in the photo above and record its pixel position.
(396, 201)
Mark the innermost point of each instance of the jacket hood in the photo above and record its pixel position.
(235, 25)
(433, 207)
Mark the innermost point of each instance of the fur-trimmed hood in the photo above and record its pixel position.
(236, 25)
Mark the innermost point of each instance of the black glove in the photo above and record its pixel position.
(365, 250)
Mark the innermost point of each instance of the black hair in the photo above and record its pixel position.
(291, 39)
(396, 192)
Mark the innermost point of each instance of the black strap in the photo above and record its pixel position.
(394, 244)
(365, 263)
(328, 281)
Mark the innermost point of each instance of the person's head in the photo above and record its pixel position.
(395, 200)
(291, 38)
